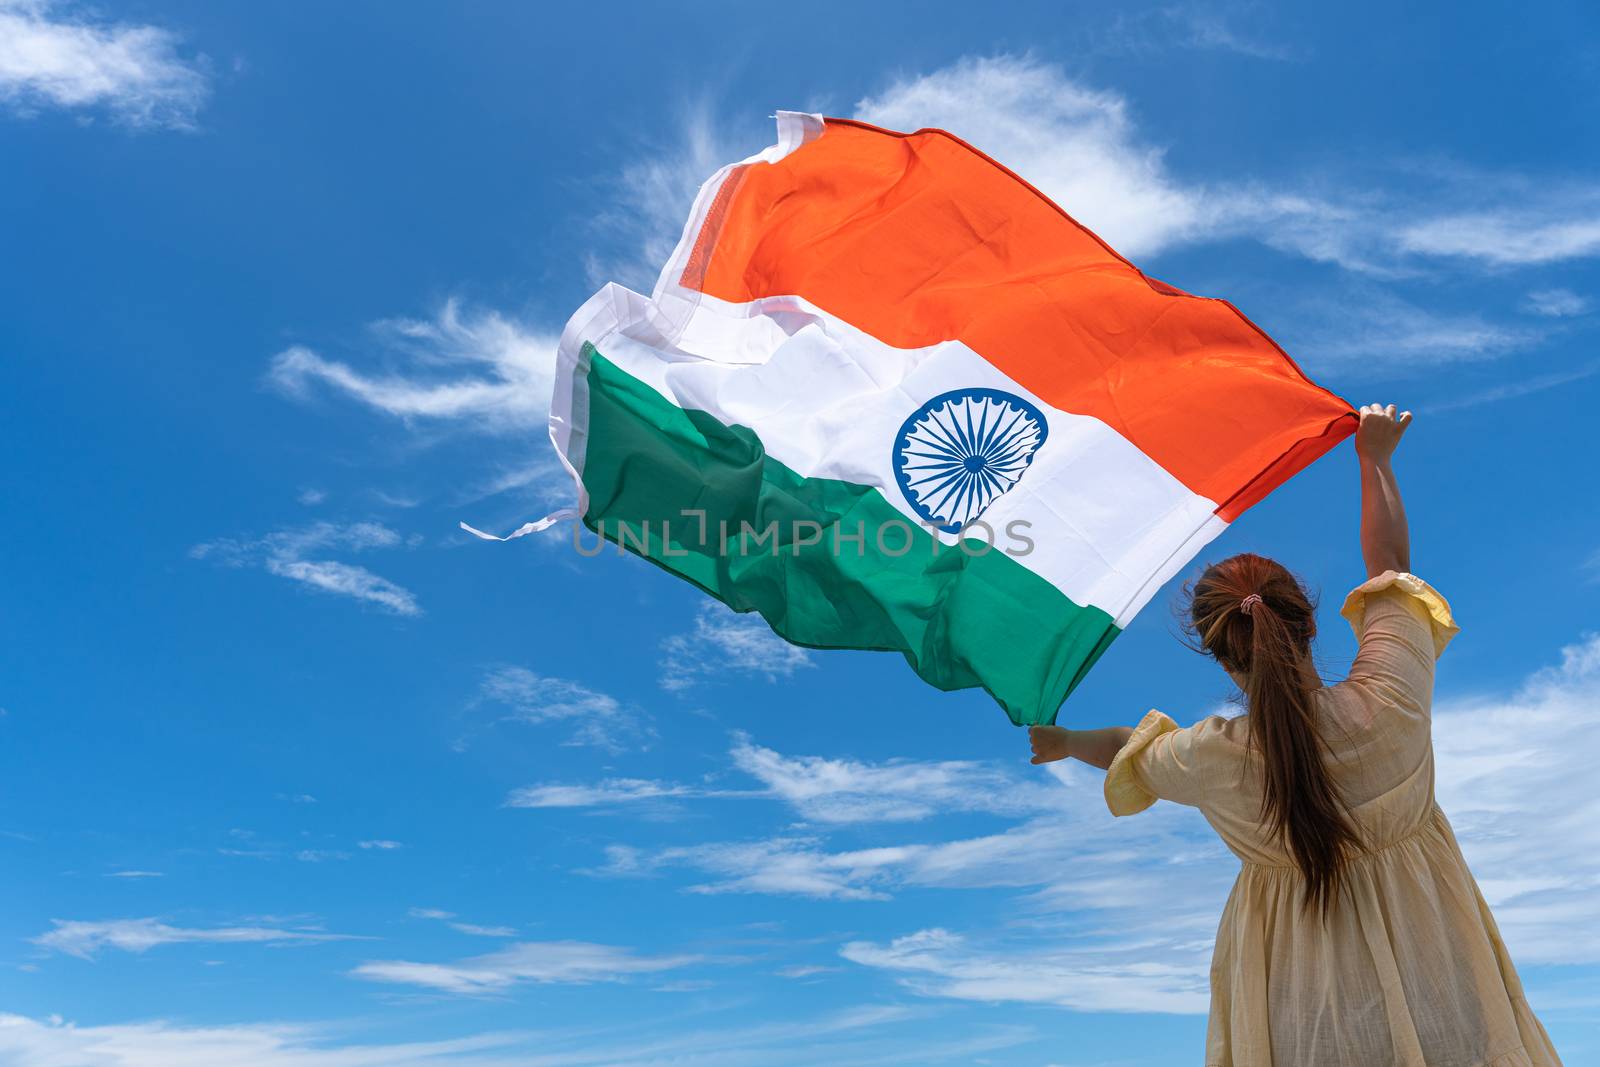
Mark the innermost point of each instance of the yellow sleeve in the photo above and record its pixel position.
(1159, 761)
(1396, 588)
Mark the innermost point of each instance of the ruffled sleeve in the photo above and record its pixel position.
(1129, 789)
(1441, 624)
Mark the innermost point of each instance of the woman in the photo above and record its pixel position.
(1355, 935)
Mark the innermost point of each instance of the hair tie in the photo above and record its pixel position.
(1249, 604)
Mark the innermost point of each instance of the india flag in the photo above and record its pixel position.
(889, 396)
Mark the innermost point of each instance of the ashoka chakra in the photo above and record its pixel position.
(961, 450)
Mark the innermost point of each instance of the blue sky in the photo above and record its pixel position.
(293, 772)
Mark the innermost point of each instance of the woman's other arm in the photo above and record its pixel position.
(1095, 747)
(1385, 540)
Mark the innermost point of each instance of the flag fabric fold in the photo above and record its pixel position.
(889, 396)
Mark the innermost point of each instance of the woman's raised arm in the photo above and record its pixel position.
(1385, 540)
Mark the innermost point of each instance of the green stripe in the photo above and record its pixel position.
(960, 619)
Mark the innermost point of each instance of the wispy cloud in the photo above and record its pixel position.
(1120, 914)
(561, 962)
(475, 930)
(534, 698)
(380, 844)
(1184, 26)
(823, 790)
(725, 644)
(465, 371)
(284, 553)
(63, 56)
(1558, 303)
(26, 1042)
(607, 793)
(320, 855)
(935, 962)
(84, 939)
(852, 791)
(869, 1035)
(471, 929)
(1536, 383)
(1514, 778)
(136, 874)
(1511, 238)
(473, 368)
(1384, 335)
(785, 866)
(1082, 147)
(648, 202)
(1072, 857)
(1079, 145)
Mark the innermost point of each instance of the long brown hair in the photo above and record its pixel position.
(1267, 640)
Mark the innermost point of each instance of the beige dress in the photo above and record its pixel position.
(1409, 969)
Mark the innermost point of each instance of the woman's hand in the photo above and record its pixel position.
(1385, 537)
(1380, 431)
(1049, 743)
(1097, 748)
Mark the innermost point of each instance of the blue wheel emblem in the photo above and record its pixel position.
(961, 450)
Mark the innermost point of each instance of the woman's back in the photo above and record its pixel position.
(1406, 967)
(1375, 723)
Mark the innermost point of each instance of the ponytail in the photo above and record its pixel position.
(1252, 615)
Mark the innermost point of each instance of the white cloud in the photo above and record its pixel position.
(1558, 303)
(346, 579)
(869, 1035)
(725, 643)
(136, 874)
(475, 368)
(534, 698)
(84, 939)
(1121, 914)
(649, 200)
(53, 57)
(474, 930)
(606, 793)
(783, 866)
(381, 845)
(284, 552)
(1537, 383)
(320, 855)
(1507, 238)
(1077, 145)
(563, 962)
(1515, 778)
(850, 791)
(1183, 26)
(28, 1042)
(471, 929)
(1083, 149)
(824, 790)
(464, 371)
(1384, 334)
(1073, 856)
(937, 963)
